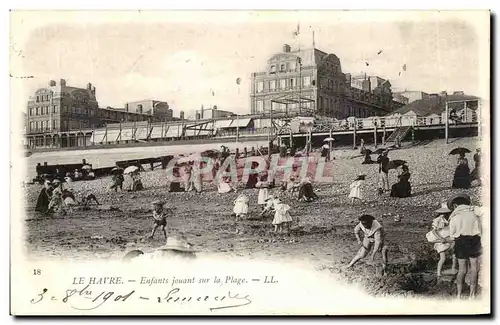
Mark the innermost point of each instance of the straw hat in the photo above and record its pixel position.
(177, 244)
(56, 181)
(449, 203)
(443, 209)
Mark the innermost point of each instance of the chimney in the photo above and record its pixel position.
(202, 111)
(52, 83)
(181, 115)
(93, 90)
(215, 106)
(89, 86)
(126, 107)
(286, 48)
(62, 82)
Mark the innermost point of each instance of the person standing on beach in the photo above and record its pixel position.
(383, 172)
(466, 229)
(159, 218)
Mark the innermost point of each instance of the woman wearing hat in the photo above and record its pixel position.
(461, 178)
(42, 203)
(373, 235)
(402, 188)
(356, 186)
(440, 236)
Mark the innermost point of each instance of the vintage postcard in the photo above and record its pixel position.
(250, 162)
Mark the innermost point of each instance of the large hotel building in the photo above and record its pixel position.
(312, 81)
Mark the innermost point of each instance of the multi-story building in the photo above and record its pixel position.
(412, 95)
(60, 108)
(312, 80)
(211, 113)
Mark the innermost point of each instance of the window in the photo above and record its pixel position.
(260, 86)
(282, 83)
(282, 68)
(36, 111)
(273, 69)
(292, 83)
(31, 112)
(260, 106)
(272, 85)
(32, 125)
(307, 81)
(53, 124)
(37, 125)
(37, 99)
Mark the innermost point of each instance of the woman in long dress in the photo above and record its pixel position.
(402, 188)
(225, 185)
(42, 203)
(306, 190)
(462, 178)
(356, 193)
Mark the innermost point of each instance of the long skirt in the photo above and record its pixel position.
(307, 192)
(462, 178)
(42, 204)
(401, 189)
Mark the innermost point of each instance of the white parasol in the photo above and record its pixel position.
(329, 139)
(130, 169)
(87, 167)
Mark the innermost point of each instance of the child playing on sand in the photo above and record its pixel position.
(159, 217)
(356, 187)
(263, 187)
(373, 235)
(282, 219)
(440, 236)
(240, 206)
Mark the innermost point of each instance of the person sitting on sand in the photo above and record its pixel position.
(56, 203)
(306, 190)
(282, 219)
(159, 218)
(136, 184)
(356, 189)
(117, 182)
(225, 185)
(443, 243)
(240, 209)
(373, 235)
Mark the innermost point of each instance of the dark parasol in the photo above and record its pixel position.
(458, 151)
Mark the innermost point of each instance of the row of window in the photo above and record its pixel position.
(283, 84)
(49, 125)
(265, 106)
(40, 126)
(42, 98)
(44, 110)
(284, 67)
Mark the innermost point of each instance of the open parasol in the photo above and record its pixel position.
(393, 164)
(210, 153)
(458, 151)
(329, 139)
(87, 167)
(130, 169)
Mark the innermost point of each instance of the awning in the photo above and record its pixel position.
(127, 134)
(142, 133)
(241, 123)
(222, 124)
(97, 136)
(156, 133)
(112, 135)
(173, 131)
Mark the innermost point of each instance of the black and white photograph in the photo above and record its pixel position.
(351, 147)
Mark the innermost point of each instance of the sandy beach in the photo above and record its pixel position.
(324, 235)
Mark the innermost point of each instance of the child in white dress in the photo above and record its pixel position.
(443, 244)
(356, 189)
(263, 187)
(282, 219)
(240, 206)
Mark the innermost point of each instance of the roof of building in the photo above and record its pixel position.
(432, 105)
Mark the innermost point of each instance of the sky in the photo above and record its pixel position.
(180, 58)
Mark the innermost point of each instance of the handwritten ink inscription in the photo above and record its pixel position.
(87, 297)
